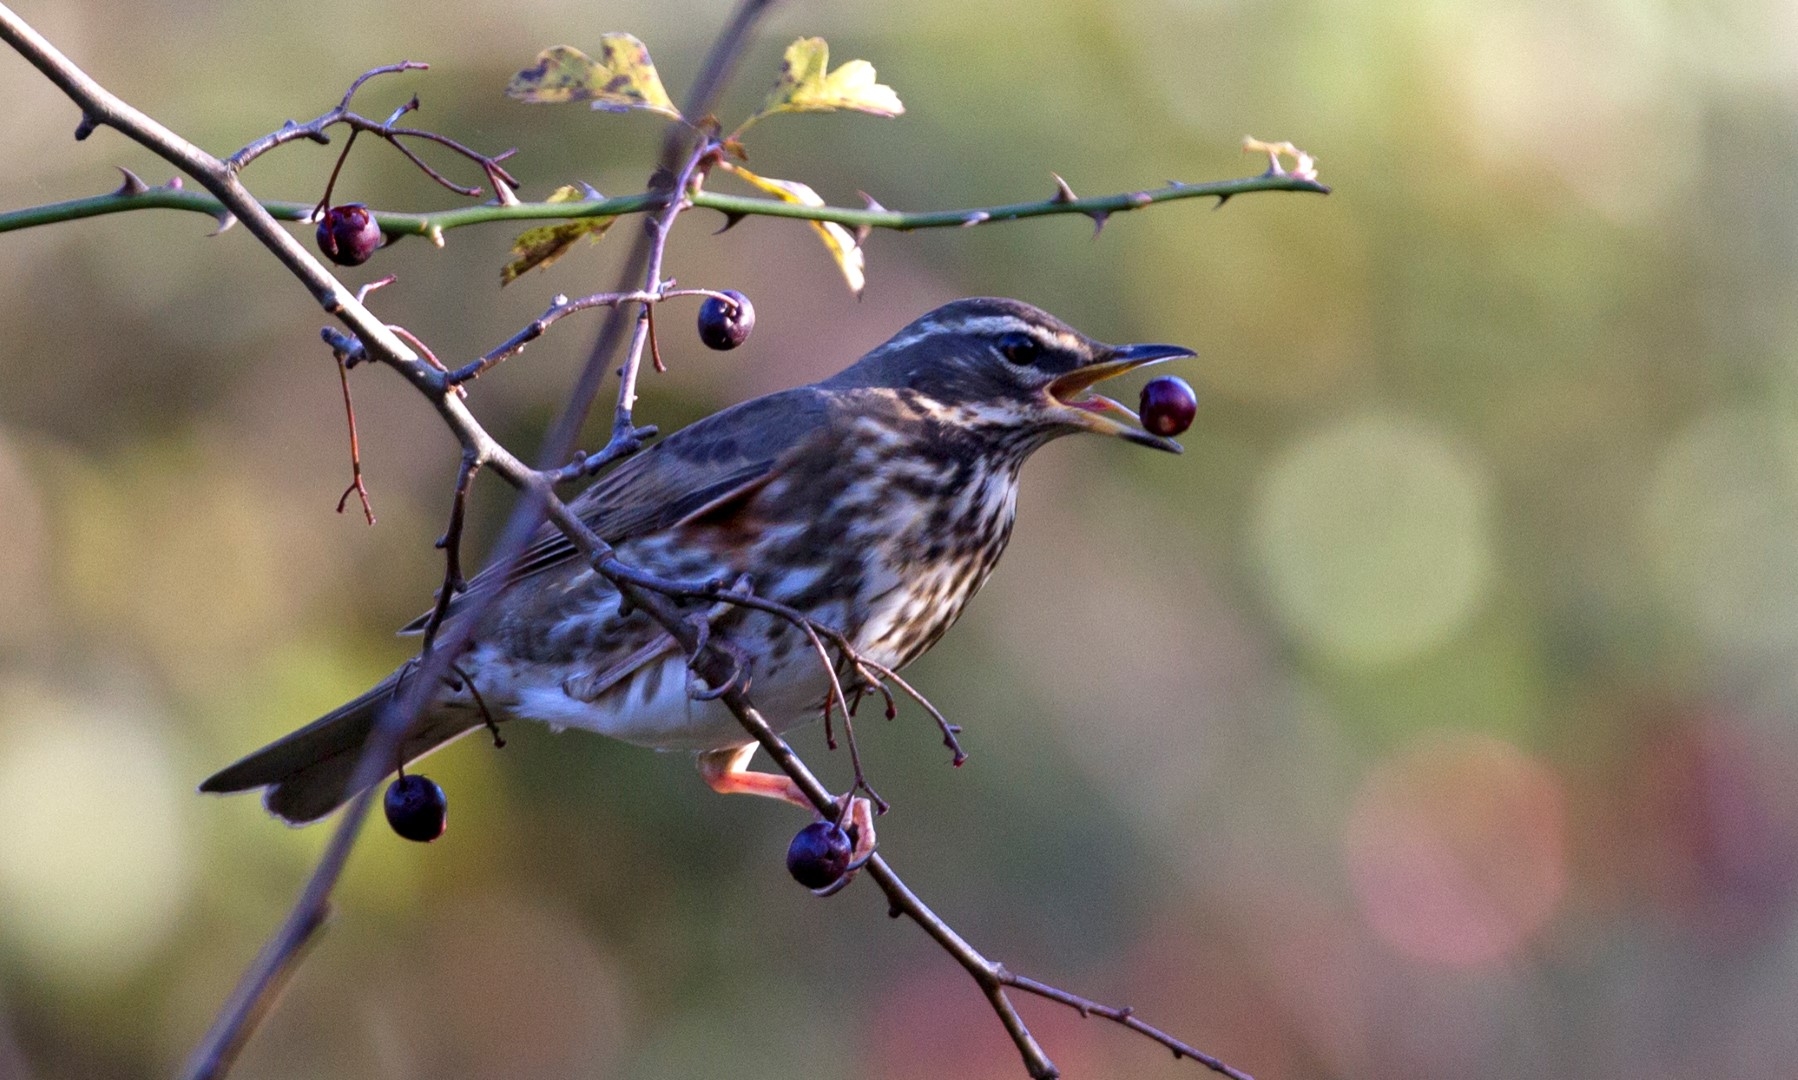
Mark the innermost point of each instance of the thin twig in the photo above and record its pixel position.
(559, 308)
(950, 731)
(621, 445)
(499, 741)
(324, 200)
(425, 353)
(451, 543)
(356, 486)
(657, 230)
(316, 130)
(385, 69)
(655, 348)
(1120, 1015)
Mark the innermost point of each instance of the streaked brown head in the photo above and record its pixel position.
(1005, 365)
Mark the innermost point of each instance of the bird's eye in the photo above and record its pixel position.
(1020, 348)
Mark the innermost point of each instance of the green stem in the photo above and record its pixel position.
(435, 223)
(902, 221)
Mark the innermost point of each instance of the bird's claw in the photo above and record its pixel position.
(738, 678)
(858, 822)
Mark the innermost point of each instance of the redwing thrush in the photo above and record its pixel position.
(876, 501)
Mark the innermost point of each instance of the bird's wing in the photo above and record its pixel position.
(706, 469)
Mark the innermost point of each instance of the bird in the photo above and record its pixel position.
(876, 502)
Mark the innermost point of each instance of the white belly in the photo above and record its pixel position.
(655, 709)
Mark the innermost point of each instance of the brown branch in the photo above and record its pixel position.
(1121, 1015)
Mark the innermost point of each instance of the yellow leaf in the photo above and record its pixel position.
(840, 241)
(624, 77)
(561, 73)
(547, 243)
(807, 85)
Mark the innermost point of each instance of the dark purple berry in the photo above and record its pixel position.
(725, 324)
(348, 234)
(416, 808)
(819, 855)
(1168, 405)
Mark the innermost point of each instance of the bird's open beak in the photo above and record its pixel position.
(1096, 412)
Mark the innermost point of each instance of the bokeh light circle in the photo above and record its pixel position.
(1722, 528)
(1456, 848)
(1373, 539)
(94, 855)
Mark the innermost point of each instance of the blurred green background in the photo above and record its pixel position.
(1434, 716)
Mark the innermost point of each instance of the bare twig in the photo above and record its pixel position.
(559, 308)
(316, 130)
(1120, 1015)
(451, 543)
(474, 691)
(356, 485)
(655, 348)
(425, 354)
(620, 446)
(385, 69)
(656, 230)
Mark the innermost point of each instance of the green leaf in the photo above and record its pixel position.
(807, 85)
(623, 78)
(547, 243)
(840, 241)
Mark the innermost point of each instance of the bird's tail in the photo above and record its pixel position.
(307, 773)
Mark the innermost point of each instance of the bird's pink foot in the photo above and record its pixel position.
(727, 772)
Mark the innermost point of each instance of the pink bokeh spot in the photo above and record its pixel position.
(1456, 848)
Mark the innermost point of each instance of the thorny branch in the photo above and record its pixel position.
(434, 224)
(369, 338)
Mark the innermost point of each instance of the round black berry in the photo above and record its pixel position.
(348, 234)
(725, 324)
(416, 808)
(1168, 405)
(819, 855)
